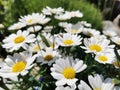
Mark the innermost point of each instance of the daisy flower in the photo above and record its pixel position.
(68, 40)
(50, 11)
(97, 83)
(17, 26)
(116, 40)
(34, 47)
(17, 64)
(65, 24)
(105, 58)
(91, 32)
(74, 29)
(65, 70)
(37, 28)
(48, 56)
(64, 16)
(34, 18)
(20, 39)
(75, 14)
(109, 33)
(94, 45)
(86, 24)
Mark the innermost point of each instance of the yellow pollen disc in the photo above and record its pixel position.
(29, 21)
(48, 57)
(69, 73)
(74, 31)
(19, 39)
(36, 48)
(68, 42)
(103, 58)
(97, 89)
(117, 64)
(19, 66)
(95, 47)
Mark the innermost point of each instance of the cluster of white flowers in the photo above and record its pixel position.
(34, 36)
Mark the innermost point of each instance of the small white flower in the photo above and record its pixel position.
(74, 29)
(91, 32)
(17, 26)
(97, 83)
(34, 18)
(64, 16)
(109, 33)
(50, 11)
(20, 39)
(84, 23)
(68, 40)
(37, 28)
(48, 28)
(64, 24)
(35, 47)
(64, 70)
(17, 64)
(105, 58)
(116, 40)
(75, 14)
(94, 45)
(48, 56)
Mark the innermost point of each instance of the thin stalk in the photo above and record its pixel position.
(37, 41)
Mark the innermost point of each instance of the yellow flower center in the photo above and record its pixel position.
(74, 31)
(19, 66)
(29, 20)
(48, 57)
(19, 39)
(95, 47)
(36, 48)
(68, 42)
(103, 58)
(97, 89)
(69, 73)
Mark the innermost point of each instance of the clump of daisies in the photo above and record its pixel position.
(47, 50)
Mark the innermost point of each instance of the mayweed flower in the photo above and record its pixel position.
(48, 56)
(74, 29)
(75, 14)
(65, 70)
(63, 17)
(91, 32)
(97, 83)
(95, 45)
(20, 39)
(17, 64)
(17, 26)
(50, 11)
(35, 18)
(109, 33)
(34, 29)
(116, 40)
(105, 58)
(68, 40)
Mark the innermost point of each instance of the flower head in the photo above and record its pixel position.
(20, 39)
(64, 70)
(17, 64)
(68, 40)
